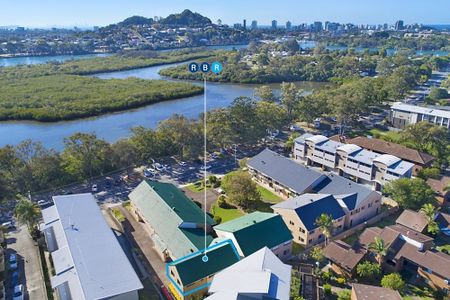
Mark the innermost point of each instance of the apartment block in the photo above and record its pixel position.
(350, 160)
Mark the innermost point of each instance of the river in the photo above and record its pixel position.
(112, 127)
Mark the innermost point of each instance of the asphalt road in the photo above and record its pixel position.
(20, 242)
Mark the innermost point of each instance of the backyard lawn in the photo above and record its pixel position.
(268, 196)
(226, 214)
(197, 187)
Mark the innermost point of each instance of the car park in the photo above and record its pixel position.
(18, 292)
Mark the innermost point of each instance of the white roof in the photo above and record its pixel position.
(387, 159)
(421, 110)
(349, 148)
(89, 257)
(261, 273)
(317, 139)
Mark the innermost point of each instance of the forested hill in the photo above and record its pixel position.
(186, 18)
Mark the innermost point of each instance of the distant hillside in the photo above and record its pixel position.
(136, 20)
(186, 18)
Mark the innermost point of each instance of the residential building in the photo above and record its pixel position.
(440, 188)
(300, 214)
(413, 220)
(259, 276)
(274, 24)
(89, 262)
(344, 258)
(176, 222)
(443, 221)
(410, 249)
(288, 178)
(350, 160)
(403, 114)
(257, 230)
(318, 27)
(371, 292)
(419, 159)
(191, 276)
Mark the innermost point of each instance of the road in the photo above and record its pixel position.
(20, 242)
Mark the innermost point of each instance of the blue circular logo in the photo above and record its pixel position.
(216, 67)
(205, 67)
(193, 67)
(205, 258)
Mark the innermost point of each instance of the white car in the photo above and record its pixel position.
(183, 164)
(94, 188)
(18, 292)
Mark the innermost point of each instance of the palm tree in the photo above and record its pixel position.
(27, 213)
(379, 248)
(325, 223)
(430, 211)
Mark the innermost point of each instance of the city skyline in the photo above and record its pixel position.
(48, 13)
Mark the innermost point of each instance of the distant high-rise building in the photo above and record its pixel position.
(237, 26)
(318, 26)
(288, 25)
(274, 24)
(399, 25)
(244, 24)
(254, 24)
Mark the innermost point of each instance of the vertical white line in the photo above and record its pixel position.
(205, 153)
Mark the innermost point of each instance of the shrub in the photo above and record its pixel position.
(218, 219)
(222, 202)
(327, 289)
(341, 280)
(345, 295)
(393, 281)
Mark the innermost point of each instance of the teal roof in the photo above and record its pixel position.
(172, 215)
(257, 230)
(194, 269)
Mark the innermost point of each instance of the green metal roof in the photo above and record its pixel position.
(194, 269)
(167, 209)
(257, 230)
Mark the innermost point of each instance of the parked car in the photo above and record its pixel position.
(15, 278)
(183, 164)
(8, 225)
(148, 173)
(94, 188)
(13, 261)
(159, 167)
(18, 292)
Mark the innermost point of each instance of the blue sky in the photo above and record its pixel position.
(42, 13)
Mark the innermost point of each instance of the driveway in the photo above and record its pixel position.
(211, 197)
(20, 242)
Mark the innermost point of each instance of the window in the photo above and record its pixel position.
(363, 207)
(301, 239)
(284, 252)
(370, 205)
(178, 281)
(171, 273)
(311, 232)
(290, 222)
(302, 230)
(310, 241)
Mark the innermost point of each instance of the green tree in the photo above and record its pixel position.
(289, 145)
(85, 155)
(368, 269)
(429, 210)
(241, 190)
(311, 107)
(270, 115)
(393, 281)
(410, 193)
(265, 93)
(426, 173)
(125, 154)
(379, 249)
(290, 96)
(344, 294)
(438, 93)
(146, 143)
(27, 213)
(326, 225)
(316, 253)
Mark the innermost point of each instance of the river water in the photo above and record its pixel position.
(112, 127)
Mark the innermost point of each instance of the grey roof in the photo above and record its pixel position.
(343, 188)
(387, 159)
(301, 179)
(89, 258)
(261, 273)
(309, 207)
(301, 139)
(285, 171)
